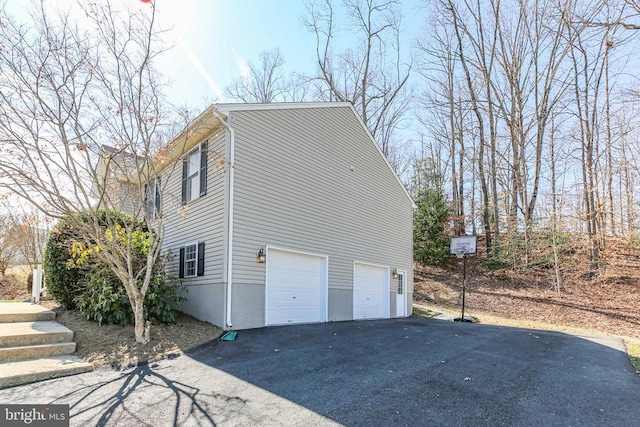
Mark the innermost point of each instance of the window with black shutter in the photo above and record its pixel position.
(184, 181)
(203, 168)
(194, 173)
(200, 271)
(157, 197)
(191, 260)
(181, 268)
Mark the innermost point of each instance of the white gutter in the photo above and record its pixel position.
(232, 141)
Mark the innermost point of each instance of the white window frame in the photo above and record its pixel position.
(187, 261)
(193, 178)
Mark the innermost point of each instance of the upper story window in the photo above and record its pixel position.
(194, 173)
(152, 198)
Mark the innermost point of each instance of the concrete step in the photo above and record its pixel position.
(33, 333)
(28, 371)
(14, 354)
(24, 312)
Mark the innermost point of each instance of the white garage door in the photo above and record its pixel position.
(370, 291)
(296, 288)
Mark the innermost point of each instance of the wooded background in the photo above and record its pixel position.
(521, 113)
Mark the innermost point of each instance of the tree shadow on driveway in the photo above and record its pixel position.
(143, 396)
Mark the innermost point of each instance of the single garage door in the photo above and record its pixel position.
(370, 291)
(296, 287)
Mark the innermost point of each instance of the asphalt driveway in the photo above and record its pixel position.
(388, 372)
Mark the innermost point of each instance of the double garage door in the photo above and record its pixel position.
(297, 287)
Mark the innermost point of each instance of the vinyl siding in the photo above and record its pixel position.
(294, 188)
(122, 196)
(201, 220)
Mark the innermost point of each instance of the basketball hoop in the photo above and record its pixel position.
(461, 246)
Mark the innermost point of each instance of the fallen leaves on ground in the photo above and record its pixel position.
(608, 303)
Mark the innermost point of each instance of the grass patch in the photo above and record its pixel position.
(20, 272)
(633, 349)
(421, 312)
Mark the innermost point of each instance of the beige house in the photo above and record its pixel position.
(283, 214)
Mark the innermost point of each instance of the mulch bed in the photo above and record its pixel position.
(114, 345)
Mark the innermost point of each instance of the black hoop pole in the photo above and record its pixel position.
(464, 281)
(464, 289)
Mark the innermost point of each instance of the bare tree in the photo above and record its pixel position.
(590, 53)
(29, 231)
(442, 113)
(481, 120)
(501, 83)
(371, 75)
(8, 250)
(267, 82)
(68, 85)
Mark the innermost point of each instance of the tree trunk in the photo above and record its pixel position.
(554, 211)
(139, 326)
(609, 143)
(474, 99)
(460, 213)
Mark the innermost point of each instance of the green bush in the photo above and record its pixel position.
(103, 301)
(63, 284)
(634, 240)
(93, 288)
(165, 294)
(430, 239)
(106, 301)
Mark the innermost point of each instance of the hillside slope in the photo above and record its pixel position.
(608, 303)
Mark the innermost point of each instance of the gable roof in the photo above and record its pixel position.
(228, 108)
(208, 123)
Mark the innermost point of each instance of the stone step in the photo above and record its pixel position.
(14, 354)
(24, 312)
(28, 371)
(33, 333)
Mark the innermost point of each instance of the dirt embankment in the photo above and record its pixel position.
(608, 302)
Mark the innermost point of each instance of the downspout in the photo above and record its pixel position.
(232, 140)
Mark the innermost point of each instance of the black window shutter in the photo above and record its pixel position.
(181, 268)
(184, 181)
(157, 195)
(146, 198)
(203, 168)
(201, 259)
